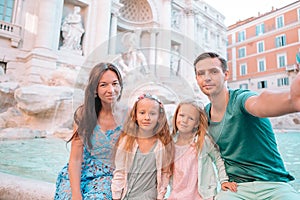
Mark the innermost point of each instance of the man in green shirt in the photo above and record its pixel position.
(239, 125)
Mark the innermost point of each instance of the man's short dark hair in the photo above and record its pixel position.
(211, 55)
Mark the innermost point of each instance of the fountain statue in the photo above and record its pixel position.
(72, 31)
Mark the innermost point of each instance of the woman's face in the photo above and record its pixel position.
(109, 87)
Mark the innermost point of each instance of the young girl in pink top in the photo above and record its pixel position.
(144, 153)
(194, 176)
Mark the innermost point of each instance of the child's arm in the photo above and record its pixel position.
(165, 157)
(165, 173)
(219, 162)
(119, 176)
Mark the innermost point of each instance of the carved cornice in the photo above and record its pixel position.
(115, 8)
(189, 11)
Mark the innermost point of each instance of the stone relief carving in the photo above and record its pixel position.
(175, 60)
(176, 19)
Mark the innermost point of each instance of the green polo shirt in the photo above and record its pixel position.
(247, 143)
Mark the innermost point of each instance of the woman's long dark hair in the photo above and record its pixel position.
(86, 115)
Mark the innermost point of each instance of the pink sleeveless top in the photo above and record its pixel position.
(185, 177)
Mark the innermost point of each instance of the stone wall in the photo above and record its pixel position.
(290, 121)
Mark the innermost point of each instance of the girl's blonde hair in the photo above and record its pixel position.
(161, 130)
(202, 128)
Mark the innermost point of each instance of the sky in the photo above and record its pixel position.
(235, 10)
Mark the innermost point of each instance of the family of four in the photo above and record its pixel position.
(138, 157)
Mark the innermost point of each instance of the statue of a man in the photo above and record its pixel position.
(175, 61)
(133, 57)
(72, 30)
(175, 19)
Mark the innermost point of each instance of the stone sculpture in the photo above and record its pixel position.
(72, 30)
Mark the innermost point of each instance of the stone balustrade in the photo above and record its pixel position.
(11, 31)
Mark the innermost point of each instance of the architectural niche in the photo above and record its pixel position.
(136, 11)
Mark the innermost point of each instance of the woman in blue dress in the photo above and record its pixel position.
(97, 126)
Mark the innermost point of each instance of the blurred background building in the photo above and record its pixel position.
(263, 51)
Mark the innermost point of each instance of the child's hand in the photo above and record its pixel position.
(232, 186)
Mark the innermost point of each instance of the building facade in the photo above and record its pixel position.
(262, 51)
(47, 48)
(37, 37)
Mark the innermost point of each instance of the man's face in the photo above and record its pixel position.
(210, 77)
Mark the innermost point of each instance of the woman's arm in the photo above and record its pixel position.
(75, 161)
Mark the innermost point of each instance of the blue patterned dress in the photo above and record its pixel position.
(96, 169)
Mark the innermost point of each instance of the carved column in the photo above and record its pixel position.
(113, 26)
(46, 22)
(41, 61)
(190, 43)
(97, 32)
(113, 33)
(152, 53)
(166, 14)
(164, 38)
(190, 16)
